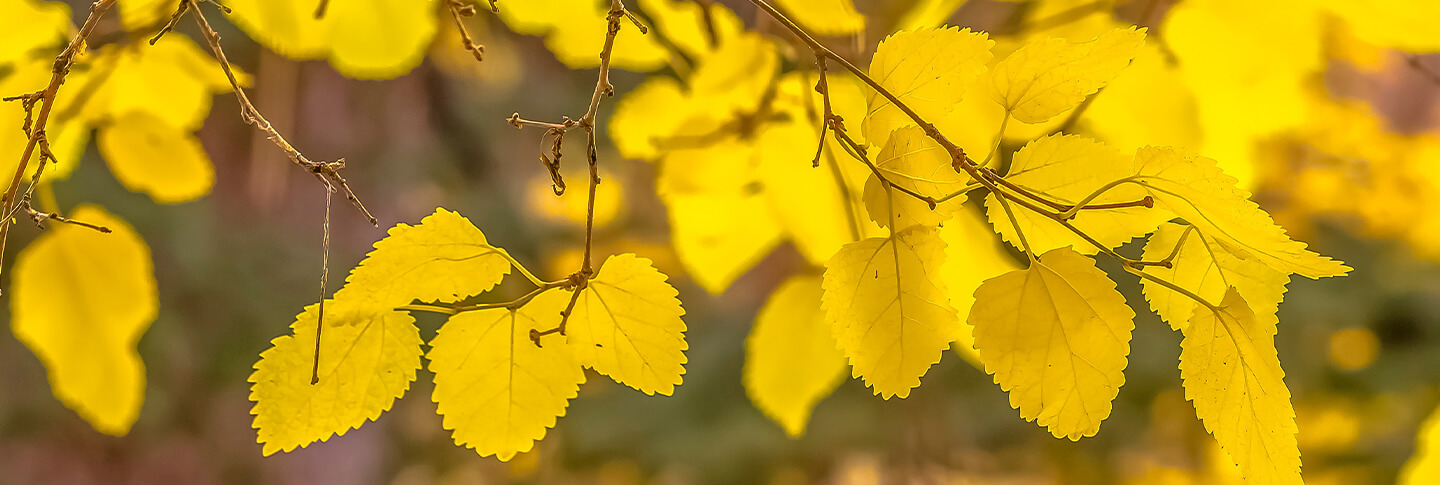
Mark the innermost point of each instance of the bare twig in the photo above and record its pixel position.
(459, 10)
(556, 132)
(46, 100)
(328, 173)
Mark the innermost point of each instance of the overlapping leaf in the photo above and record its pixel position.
(367, 360)
(443, 258)
(928, 70)
(1067, 169)
(1231, 372)
(1050, 76)
(497, 390)
(886, 306)
(1208, 268)
(1056, 336)
(1195, 189)
(626, 324)
(913, 161)
(368, 351)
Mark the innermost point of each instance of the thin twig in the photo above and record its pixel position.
(459, 10)
(556, 132)
(46, 99)
(328, 173)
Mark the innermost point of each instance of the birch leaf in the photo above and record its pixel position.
(1056, 336)
(887, 308)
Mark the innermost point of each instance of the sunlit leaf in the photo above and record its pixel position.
(1056, 336)
(1231, 372)
(497, 390)
(886, 305)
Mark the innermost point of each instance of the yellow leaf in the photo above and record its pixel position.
(720, 222)
(1232, 374)
(886, 306)
(173, 80)
(1050, 76)
(1196, 190)
(913, 161)
(444, 258)
(790, 358)
(1149, 103)
(928, 70)
(1067, 169)
(497, 390)
(368, 356)
(735, 78)
(362, 39)
(30, 25)
(1423, 467)
(825, 17)
(81, 301)
(1208, 268)
(626, 325)
(577, 36)
(972, 256)
(1056, 336)
(646, 116)
(148, 155)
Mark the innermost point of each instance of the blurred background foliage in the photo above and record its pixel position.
(1353, 172)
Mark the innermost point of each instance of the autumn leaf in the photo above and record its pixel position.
(497, 390)
(791, 362)
(1208, 268)
(368, 357)
(887, 308)
(913, 161)
(720, 222)
(1056, 336)
(362, 39)
(1195, 189)
(928, 70)
(81, 301)
(1050, 76)
(444, 258)
(1068, 169)
(149, 155)
(1231, 372)
(173, 80)
(626, 324)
